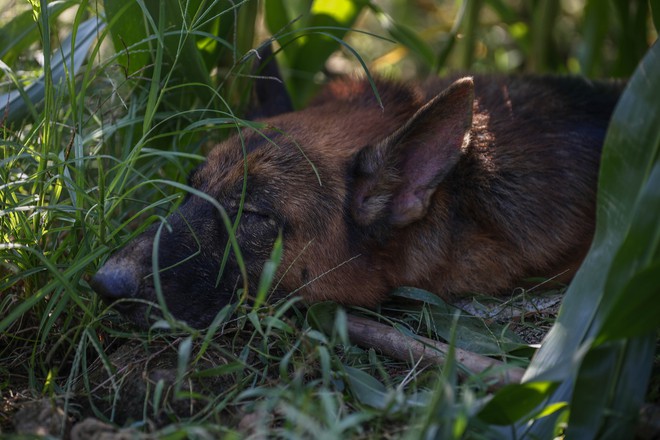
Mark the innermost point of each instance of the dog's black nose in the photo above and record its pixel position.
(113, 282)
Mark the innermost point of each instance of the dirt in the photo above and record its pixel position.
(124, 389)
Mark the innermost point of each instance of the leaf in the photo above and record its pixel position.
(472, 332)
(321, 316)
(405, 36)
(277, 15)
(64, 61)
(513, 402)
(592, 390)
(21, 31)
(637, 309)
(268, 272)
(323, 24)
(127, 27)
(183, 359)
(629, 170)
(367, 389)
(221, 370)
(596, 19)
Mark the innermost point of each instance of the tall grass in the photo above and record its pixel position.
(99, 152)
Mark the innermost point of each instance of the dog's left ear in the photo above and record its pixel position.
(395, 179)
(270, 97)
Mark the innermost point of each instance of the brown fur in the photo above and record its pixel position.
(454, 187)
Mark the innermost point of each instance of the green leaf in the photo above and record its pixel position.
(181, 45)
(268, 272)
(129, 35)
(321, 316)
(221, 370)
(183, 360)
(596, 21)
(637, 309)
(513, 402)
(65, 61)
(323, 24)
(404, 35)
(367, 389)
(624, 247)
(472, 332)
(277, 15)
(591, 391)
(605, 375)
(19, 33)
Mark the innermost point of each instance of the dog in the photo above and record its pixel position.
(457, 186)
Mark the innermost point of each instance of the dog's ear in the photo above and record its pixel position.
(270, 97)
(395, 179)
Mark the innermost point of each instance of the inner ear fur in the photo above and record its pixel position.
(396, 178)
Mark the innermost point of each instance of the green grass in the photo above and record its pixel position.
(83, 172)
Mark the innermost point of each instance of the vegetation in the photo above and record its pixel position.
(99, 132)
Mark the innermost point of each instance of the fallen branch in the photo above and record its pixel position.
(389, 341)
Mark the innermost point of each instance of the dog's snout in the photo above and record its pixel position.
(114, 282)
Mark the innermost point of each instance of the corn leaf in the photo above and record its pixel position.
(605, 381)
(65, 61)
(19, 33)
(323, 23)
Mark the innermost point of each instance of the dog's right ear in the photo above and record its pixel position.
(396, 178)
(270, 97)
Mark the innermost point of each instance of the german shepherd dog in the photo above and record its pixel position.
(456, 186)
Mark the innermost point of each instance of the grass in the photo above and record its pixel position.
(88, 171)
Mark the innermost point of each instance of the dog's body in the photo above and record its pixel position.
(454, 187)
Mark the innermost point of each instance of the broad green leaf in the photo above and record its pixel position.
(630, 157)
(591, 391)
(632, 378)
(181, 41)
(595, 29)
(277, 15)
(633, 282)
(366, 388)
(322, 25)
(321, 316)
(129, 35)
(610, 389)
(513, 402)
(636, 311)
(551, 409)
(342, 11)
(182, 45)
(631, 147)
(247, 16)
